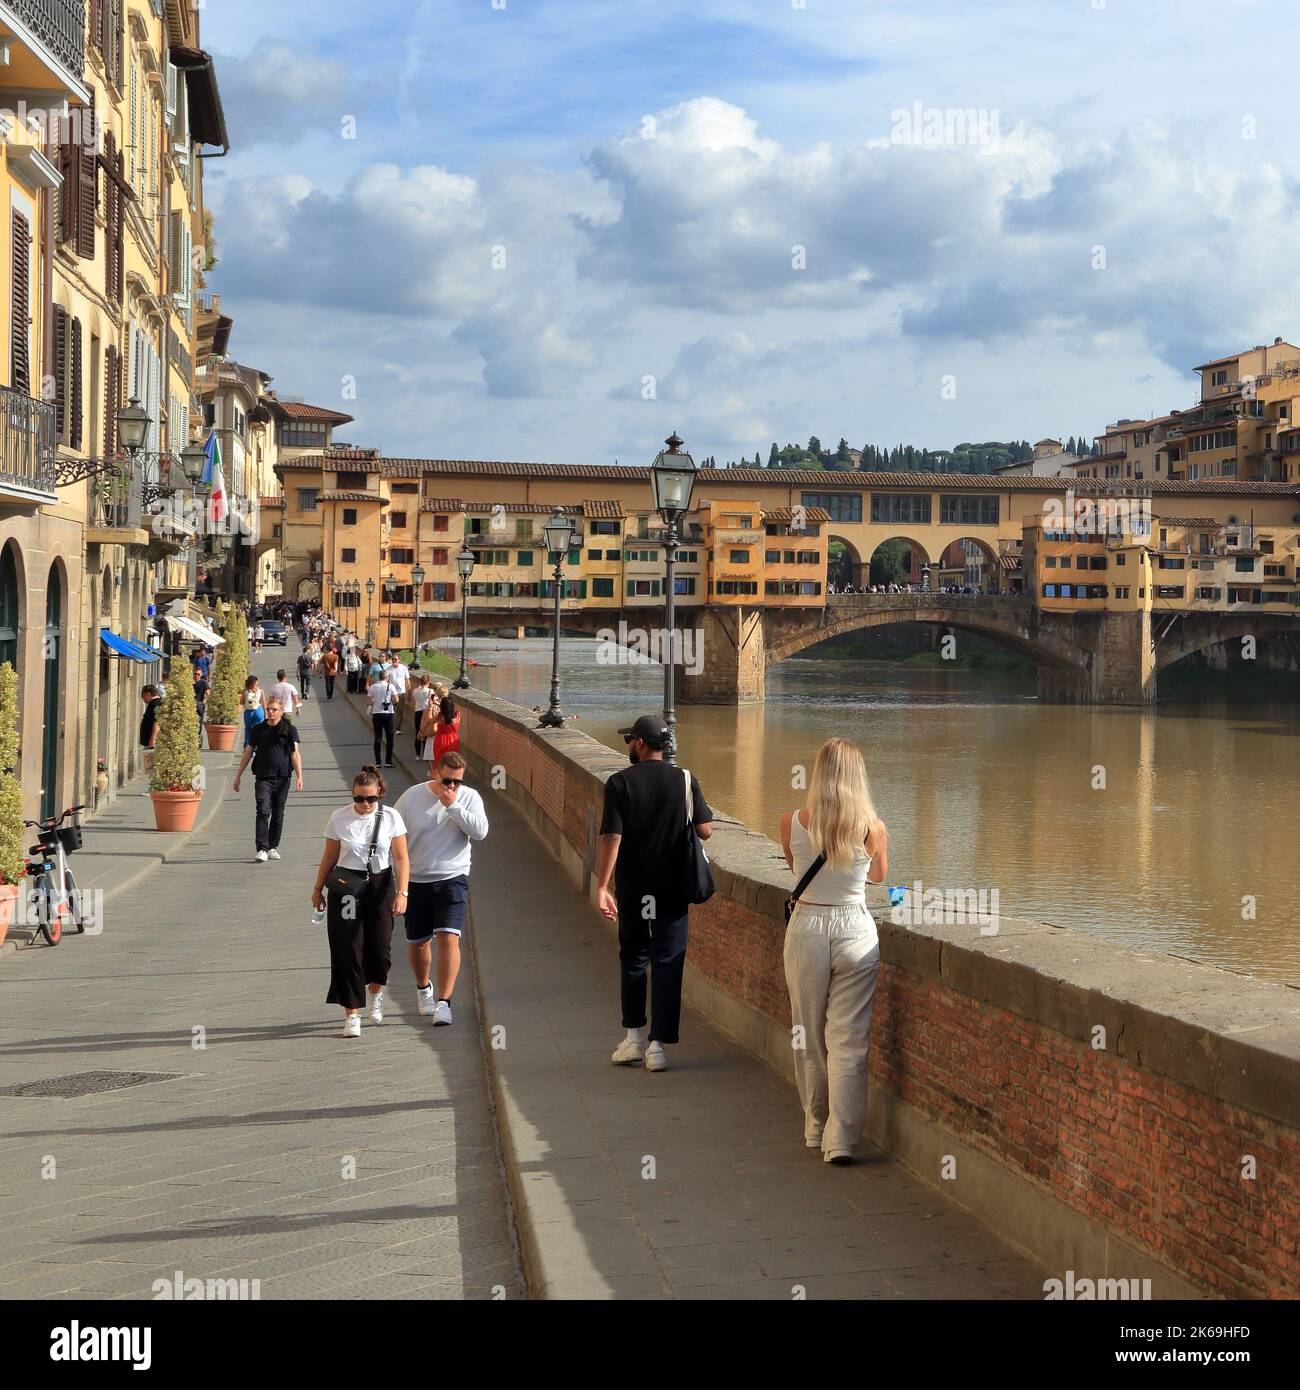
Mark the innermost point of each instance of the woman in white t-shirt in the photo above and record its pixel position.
(360, 915)
(421, 694)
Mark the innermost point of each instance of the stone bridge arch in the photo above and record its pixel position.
(1193, 632)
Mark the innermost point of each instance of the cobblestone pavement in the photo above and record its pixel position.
(238, 1168)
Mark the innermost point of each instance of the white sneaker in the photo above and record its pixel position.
(630, 1052)
(656, 1059)
(377, 1007)
(441, 1013)
(424, 1000)
(351, 1026)
(261, 856)
(273, 854)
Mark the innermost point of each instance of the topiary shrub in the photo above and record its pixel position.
(12, 858)
(176, 749)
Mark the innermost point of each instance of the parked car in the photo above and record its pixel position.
(274, 633)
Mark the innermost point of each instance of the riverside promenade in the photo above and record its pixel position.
(689, 1184)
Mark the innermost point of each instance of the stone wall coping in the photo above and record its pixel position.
(1226, 1035)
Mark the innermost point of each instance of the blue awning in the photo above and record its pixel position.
(124, 646)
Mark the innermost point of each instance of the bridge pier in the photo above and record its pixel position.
(1121, 667)
(733, 664)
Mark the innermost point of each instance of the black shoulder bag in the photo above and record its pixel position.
(809, 874)
(353, 883)
(699, 876)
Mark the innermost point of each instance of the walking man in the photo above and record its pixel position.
(399, 677)
(287, 694)
(642, 843)
(273, 747)
(329, 665)
(304, 672)
(151, 695)
(442, 818)
(379, 697)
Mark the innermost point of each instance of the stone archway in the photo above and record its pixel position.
(897, 560)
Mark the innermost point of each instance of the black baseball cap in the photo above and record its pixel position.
(651, 728)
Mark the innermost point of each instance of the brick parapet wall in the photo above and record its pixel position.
(1122, 1094)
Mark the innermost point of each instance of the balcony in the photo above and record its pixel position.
(49, 38)
(26, 440)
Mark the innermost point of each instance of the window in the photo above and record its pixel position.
(683, 584)
(523, 530)
(349, 516)
(394, 629)
(1049, 590)
(1245, 564)
(736, 586)
(405, 487)
(843, 506)
(307, 498)
(739, 557)
(643, 588)
(613, 555)
(525, 557)
(1049, 562)
(401, 555)
(397, 520)
(593, 554)
(1066, 561)
(606, 528)
(348, 555)
(771, 557)
(300, 435)
(905, 507)
(1097, 562)
(439, 523)
(1169, 562)
(1206, 592)
(1121, 591)
(1121, 559)
(688, 557)
(980, 510)
(439, 556)
(602, 588)
(1169, 591)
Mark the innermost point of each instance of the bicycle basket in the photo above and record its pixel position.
(70, 838)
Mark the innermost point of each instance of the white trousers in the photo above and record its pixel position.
(832, 958)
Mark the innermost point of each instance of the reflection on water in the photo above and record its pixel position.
(983, 787)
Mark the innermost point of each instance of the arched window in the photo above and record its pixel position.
(9, 607)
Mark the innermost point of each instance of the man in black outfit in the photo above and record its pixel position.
(273, 747)
(642, 846)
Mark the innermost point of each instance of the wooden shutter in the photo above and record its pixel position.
(84, 156)
(20, 305)
(112, 391)
(133, 130)
(60, 373)
(115, 67)
(65, 160)
(74, 386)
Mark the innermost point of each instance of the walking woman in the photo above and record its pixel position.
(835, 846)
(361, 882)
(421, 694)
(254, 707)
(442, 721)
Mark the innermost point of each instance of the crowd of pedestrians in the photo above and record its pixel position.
(973, 590)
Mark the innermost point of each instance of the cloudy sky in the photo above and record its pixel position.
(559, 229)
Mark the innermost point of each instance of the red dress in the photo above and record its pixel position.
(447, 739)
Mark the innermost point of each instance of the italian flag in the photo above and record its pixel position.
(218, 503)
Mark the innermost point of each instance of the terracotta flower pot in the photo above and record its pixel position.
(221, 737)
(8, 904)
(175, 810)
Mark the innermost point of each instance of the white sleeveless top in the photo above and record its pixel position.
(831, 886)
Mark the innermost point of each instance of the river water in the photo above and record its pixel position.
(1171, 829)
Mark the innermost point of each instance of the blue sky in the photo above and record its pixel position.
(563, 229)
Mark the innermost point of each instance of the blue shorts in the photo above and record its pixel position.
(436, 907)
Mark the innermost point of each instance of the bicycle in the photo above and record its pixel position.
(56, 898)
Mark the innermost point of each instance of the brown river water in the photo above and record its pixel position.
(1189, 848)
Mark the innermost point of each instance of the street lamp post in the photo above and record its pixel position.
(672, 475)
(417, 586)
(559, 535)
(370, 608)
(465, 567)
(390, 588)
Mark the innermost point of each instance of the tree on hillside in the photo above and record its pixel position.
(814, 446)
(842, 451)
(774, 457)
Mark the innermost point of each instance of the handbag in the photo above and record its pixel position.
(353, 883)
(699, 875)
(809, 874)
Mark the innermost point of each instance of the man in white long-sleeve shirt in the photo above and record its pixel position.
(442, 818)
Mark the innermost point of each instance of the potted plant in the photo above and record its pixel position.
(13, 862)
(176, 750)
(226, 696)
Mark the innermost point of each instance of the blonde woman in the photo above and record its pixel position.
(832, 952)
(421, 694)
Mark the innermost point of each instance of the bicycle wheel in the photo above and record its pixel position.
(49, 916)
(72, 895)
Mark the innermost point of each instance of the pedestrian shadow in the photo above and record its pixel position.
(254, 1118)
(273, 1225)
(111, 1042)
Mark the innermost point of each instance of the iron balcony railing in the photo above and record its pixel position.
(26, 441)
(59, 24)
(118, 502)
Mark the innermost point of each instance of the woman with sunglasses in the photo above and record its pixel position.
(366, 869)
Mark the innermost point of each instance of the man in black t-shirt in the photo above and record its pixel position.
(642, 847)
(273, 748)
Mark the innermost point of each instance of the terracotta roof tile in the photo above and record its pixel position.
(442, 504)
(316, 414)
(603, 510)
(277, 501)
(352, 497)
(785, 514)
